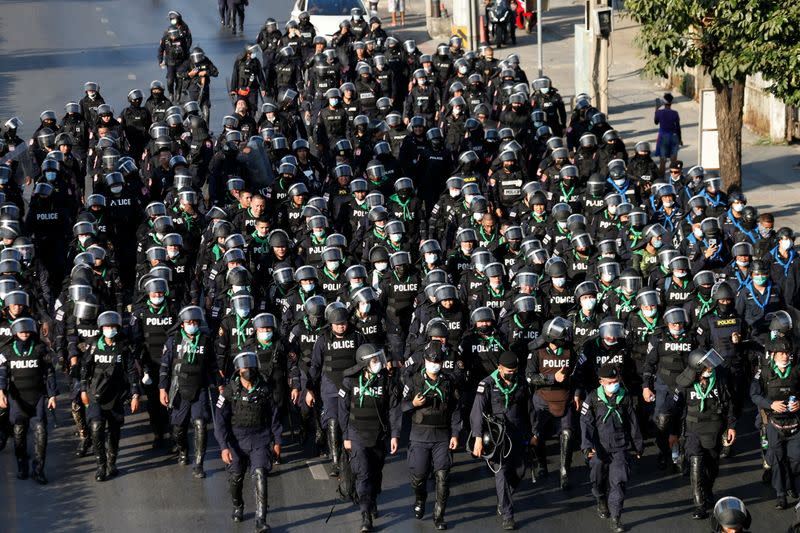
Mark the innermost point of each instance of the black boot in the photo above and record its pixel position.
(21, 450)
(113, 450)
(319, 438)
(235, 484)
(419, 484)
(99, 441)
(200, 442)
(39, 452)
(366, 522)
(616, 525)
(540, 468)
(334, 446)
(84, 437)
(565, 441)
(696, 476)
(182, 443)
(260, 481)
(602, 507)
(442, 493)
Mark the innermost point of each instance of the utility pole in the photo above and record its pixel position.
(539, 51)
(602, 26)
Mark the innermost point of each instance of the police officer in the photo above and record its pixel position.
(248, 430)
(503, 398)
(248, 79)
(667, 355)
(609, 430)
(369, 412)
(301, 340)
(433, 399)
(188, 368)
(27, 385)
(774, 391)
(334, 352)
(80, 329)
(276, 364)
(108, 378)
(550, 372)
(707, 418)
(150, 324)
(724, 331)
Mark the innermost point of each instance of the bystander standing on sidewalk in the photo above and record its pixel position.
(669, 131)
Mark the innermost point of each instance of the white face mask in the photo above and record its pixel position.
(588, 304)
(174, 22)
(109, 333)
(545, 90)
(375, 367)
(477, 217)
(83, 238)
(237, 288)
(158, 300)
(495, 285)
(333, 102)
(738, 207)
(172, 254)
(381, 267)
(431, 258)
(559, 282)
(395, 237)
(562, 225)
(698, 233)
(332, 265)
(454, 193)
(668, 204)
(607, 278)
(612, 388)
(432, 368)
(619, 181)
(785, 244)
(456, 111)
(307, 287)
(612, 210)
(707, 374)
(264, 336)
(364, 307)
(782, 365)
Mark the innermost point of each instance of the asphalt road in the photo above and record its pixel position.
(48, 49)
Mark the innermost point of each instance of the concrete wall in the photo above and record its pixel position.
(763, 113)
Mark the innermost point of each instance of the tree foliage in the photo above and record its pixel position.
(729, 38)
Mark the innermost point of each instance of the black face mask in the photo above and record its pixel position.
(705, 292)
(402, 270)
(248, 374)
(510, 377)
(724, 309)
(485, 330)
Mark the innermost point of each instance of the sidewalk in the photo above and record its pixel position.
(767, 168)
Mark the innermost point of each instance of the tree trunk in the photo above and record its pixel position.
(729, 111)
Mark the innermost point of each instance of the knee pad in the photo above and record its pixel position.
(663, 421)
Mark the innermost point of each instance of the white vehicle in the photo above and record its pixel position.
(327, 14)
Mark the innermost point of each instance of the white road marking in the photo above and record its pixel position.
(131, 76)
(104, 20)
(318, 471)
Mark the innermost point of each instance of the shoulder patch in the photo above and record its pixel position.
(584, 407)
(758, 374)
(342, 393)
(406, 391)
(220, 401)
(480, 388)
(699, 331)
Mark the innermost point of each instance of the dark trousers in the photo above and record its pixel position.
(367, 465)
(783, 455)
(609, 477)
(507, 478)
(421, 455)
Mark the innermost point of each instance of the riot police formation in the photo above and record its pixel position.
(376, 236)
